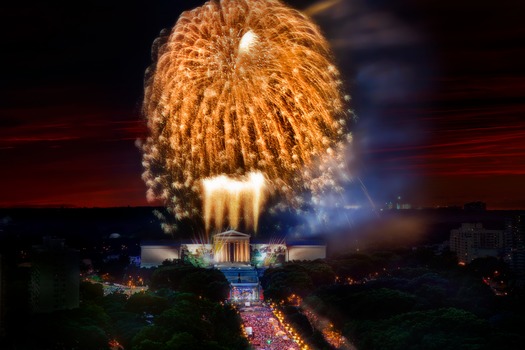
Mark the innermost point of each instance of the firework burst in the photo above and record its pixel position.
(242, 86)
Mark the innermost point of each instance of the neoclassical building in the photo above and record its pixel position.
(231, 247)
(234, 254)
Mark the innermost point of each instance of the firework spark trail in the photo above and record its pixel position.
(242, 86)
(223, 195)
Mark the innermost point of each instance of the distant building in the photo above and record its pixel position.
(475, 206)
(515, 246)
(55, 276)
(472, 241)
(398, 204)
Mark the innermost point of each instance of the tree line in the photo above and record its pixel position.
(183, 309)
(405, 299)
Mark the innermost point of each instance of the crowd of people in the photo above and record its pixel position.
(264, 331)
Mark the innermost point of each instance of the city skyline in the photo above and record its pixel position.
(437, 89)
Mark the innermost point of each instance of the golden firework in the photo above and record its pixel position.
(241, 86)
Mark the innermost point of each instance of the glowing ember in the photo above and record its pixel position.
(247, 42)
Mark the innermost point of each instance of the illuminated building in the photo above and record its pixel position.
(55, 276)
(235, 256)
(472, 241)
(231, 247)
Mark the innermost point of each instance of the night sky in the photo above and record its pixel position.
(438, 88)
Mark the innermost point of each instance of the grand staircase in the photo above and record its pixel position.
(244, 282)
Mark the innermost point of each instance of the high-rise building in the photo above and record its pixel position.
(515, 246)
(55, 276)
(472, 241)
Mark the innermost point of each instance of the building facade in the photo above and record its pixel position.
(515, 246)
(472, 241)
(55, 276)
(230, 247)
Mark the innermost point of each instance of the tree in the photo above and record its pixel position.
(281, 282)
(193, 323)
(91, 291)
(320, 272)
(208, 283)
(447, 329)
(146, 302)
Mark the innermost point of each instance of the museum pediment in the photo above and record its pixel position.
(232, 234)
